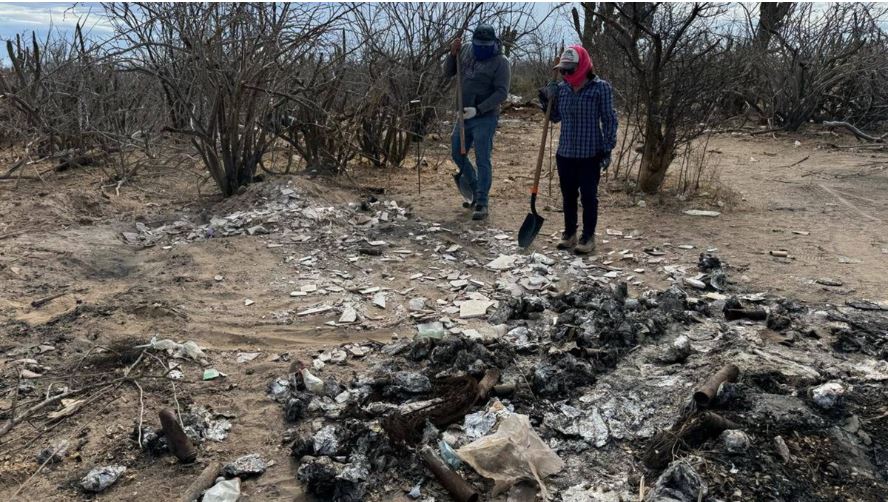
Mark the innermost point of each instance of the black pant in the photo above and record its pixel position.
(579, 178)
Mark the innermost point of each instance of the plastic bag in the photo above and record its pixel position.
(514, 452)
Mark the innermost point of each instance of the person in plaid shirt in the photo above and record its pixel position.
(584, 104)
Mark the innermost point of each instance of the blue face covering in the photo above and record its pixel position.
(483, 52)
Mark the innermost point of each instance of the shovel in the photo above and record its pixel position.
(534, 222)
(462, 183)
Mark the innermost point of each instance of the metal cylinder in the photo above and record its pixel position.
(177, 441)
(707, 392)
(456, 486)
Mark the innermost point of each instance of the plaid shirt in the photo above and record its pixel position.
(588, 120)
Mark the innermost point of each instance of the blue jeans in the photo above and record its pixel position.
(479, 134)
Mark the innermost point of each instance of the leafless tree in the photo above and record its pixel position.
(673, 53)
(224, 70)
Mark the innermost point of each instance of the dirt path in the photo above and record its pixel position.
(825, 206)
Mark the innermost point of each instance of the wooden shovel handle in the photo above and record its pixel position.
(542, 153)
(459, 103)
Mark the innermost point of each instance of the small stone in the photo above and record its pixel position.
(782, 449)
(735, 441)
(641, 203)
(779, 253)
(416, 304)
(826, 281)
(685, 246)
(309, 288)
(245, 466)
(218, 278)
(248, 302)
(826, 396)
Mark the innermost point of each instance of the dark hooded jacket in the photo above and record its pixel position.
(485, 84)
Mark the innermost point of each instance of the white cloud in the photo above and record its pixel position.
(40, 16)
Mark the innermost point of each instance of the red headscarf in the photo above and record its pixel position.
(583, 67)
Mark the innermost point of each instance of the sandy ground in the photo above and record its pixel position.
(63, 235)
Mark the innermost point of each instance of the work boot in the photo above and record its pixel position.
(480, 212)
(586, 245)
(567, 241)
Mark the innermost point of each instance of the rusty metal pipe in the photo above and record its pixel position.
(751, 314)
(178, 442)
(456, 486)
(707, 392)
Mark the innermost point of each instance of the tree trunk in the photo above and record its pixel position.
(658, 153)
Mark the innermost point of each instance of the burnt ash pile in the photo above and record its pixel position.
(606, 382)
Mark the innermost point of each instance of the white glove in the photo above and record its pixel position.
(469, 112)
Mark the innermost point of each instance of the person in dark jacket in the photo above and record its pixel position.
(584, 104)
(485, 84)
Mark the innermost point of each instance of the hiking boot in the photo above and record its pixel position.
(567, 241)
(586, 245)
(480, 212)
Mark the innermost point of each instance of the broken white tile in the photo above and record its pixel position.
(699, 212)
(309, 288)
(315, 310)
(379, 300)
(298, 293)
(471, 309)
(370, 290)
(459, 283)
(503, 262)
(218, 278)
(377, 243)
(613, 232)
(349, 315)
(415, 276)
(685, 246)
(248, 302)
(245, 357)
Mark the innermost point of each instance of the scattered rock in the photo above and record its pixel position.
(782, 449)
(825, 281)
(678, 483)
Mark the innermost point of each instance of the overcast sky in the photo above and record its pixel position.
(20, 17)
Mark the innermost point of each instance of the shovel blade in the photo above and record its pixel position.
(529, 229)
(464, 187)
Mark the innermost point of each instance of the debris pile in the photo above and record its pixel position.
(579, 381)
